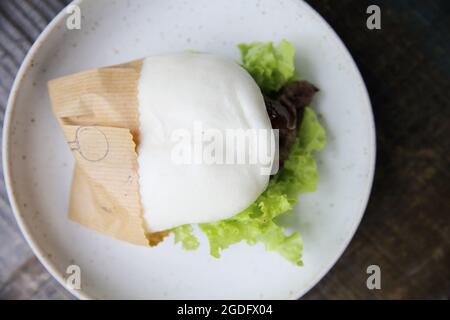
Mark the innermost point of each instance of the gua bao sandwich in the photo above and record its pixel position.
(153, 156)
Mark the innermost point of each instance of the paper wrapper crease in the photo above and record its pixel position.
(99, 116)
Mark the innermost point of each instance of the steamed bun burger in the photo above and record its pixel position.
(229, 202)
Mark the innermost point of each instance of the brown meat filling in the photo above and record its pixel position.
(285, 111)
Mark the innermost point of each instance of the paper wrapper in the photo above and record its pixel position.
(98, 114)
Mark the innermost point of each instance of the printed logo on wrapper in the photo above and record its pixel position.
(91, 143)
(211, 146)
(73, 280)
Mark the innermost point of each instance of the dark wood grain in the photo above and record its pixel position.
(21, 275)
(405, 230)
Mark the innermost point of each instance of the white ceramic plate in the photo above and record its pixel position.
(38, 163)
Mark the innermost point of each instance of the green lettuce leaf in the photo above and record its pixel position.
(184, 235)
(271, 67)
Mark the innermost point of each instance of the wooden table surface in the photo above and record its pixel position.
(405, 231)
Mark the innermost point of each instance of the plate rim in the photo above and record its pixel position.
(50, 266)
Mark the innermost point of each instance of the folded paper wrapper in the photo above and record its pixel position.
(99, 116)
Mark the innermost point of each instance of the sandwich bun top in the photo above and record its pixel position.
(191, 94)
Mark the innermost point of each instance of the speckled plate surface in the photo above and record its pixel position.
(38, 163)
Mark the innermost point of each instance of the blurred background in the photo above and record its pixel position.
(406, 228)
